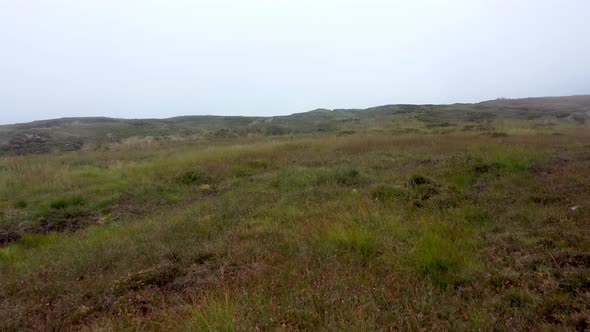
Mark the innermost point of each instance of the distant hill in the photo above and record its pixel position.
(71, 134)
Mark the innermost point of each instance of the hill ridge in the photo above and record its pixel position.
(74, 133)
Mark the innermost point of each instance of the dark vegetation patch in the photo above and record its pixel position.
(444, 124)
(20, 204)
(7, 236)
(496, 134)
(344, 177)
(577, 282)
(425, 190)
(346, 132)
(71, 219)
(195, 177)
(517, 297)
(158, 276)
(578, 259)
(64, 203)
(418, 180)
(482, 167)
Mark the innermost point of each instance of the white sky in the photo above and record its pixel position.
(162, 58)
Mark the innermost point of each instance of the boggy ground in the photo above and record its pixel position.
(461, 231)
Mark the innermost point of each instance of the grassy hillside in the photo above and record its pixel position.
(71, 134)
(458, 217)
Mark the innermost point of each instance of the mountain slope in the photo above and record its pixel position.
(70, 134)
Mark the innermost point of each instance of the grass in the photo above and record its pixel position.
(372, 230)
(214, 314)
(444, 253)
(355, 239)
(65, 203)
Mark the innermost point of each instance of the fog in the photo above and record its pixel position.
(163, 58)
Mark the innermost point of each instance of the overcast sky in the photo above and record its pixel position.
(162, 58)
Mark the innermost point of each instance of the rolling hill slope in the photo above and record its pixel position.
(71, 134)
(467, 217)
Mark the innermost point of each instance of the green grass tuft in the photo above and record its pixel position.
(64, 203)
(444, 253)
(214, 314)
(354, 239)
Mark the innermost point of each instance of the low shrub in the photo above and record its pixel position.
(64, 203)
(21, 204)
(419, 180)
(194, 177)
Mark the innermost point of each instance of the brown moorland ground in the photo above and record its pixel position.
(381, 230)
